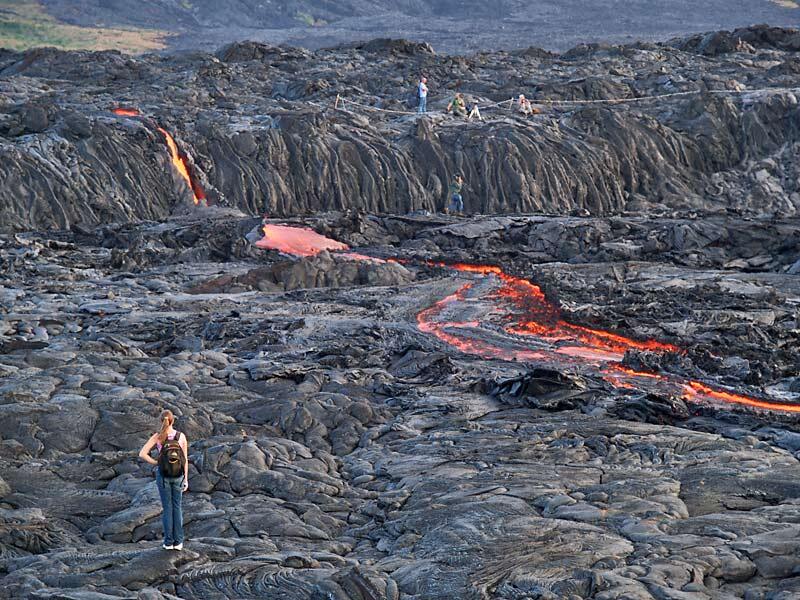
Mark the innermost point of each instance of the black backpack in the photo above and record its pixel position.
(171, 461)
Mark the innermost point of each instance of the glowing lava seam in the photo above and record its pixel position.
(531, 316)
(178, 160)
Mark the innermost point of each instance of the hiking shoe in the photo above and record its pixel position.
(177, 546)
(165, 547)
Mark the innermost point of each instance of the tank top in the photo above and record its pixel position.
(176, 435)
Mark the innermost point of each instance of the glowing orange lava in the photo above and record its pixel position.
(427, 321)
(623, 377)
(540, 318)
(531, 317)
(695, 389)
(364, 257)
(296, 241)
(178, 160)
(126, 112)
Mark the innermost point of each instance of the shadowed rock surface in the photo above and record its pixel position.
(340, 452)
(259, 132)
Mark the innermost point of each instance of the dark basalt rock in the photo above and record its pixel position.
(35, 119)
(741, 40)
(322, 270)
(337, 450)
(385, 45)
(654, 409)
(261, 134)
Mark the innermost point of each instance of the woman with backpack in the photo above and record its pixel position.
(172, 476)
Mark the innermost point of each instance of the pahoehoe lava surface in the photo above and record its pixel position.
(355, 434)
(258, 129)
(395, 465)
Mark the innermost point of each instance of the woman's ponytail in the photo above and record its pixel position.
(167, 419)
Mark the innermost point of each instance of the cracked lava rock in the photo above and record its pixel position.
(397, 464)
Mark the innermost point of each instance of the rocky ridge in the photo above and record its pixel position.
(259, 130)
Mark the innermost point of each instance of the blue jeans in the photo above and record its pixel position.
(457, 203)
(423, 104)
(171, 491)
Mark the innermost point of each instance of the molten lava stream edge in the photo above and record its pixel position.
(539, 318)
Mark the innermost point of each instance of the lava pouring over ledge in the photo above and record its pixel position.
(179, 162)
(528, 316)
(178, 159)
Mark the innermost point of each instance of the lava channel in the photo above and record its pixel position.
(500, 316)
(177, 157)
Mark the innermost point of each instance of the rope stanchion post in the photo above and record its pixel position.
(336, 103)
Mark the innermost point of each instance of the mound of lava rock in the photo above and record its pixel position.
(320, 271)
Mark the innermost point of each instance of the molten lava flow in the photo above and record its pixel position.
(532, 316)
(178, 159)
(364, 257)
(515, 316)
(694, 390)
(428, 322)
(536, 316)
(126, 112)
(179, 162)
(623, 377)
(296, 241)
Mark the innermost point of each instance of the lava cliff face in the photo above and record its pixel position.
(260, 129)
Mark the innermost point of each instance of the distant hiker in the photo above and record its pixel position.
(524, 105)
(474, 113)
(422, 95)
(456, 201)
(458, 106)
(172, 477)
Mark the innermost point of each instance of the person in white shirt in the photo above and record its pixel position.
(422, 94)
(524, 105)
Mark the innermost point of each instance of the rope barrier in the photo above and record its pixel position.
(672, 95)
(341, 101)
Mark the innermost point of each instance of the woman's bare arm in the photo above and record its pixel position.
(184, 442)
(144, 453)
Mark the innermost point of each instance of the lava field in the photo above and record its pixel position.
(373, 418)
(588, 387)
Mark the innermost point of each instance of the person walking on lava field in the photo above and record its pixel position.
(458, 106)
(422, 95)
(172, 477)
(456, 205)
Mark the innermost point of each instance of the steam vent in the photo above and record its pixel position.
(270, 330)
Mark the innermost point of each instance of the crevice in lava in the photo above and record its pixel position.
(179, 160)
(505, 317)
